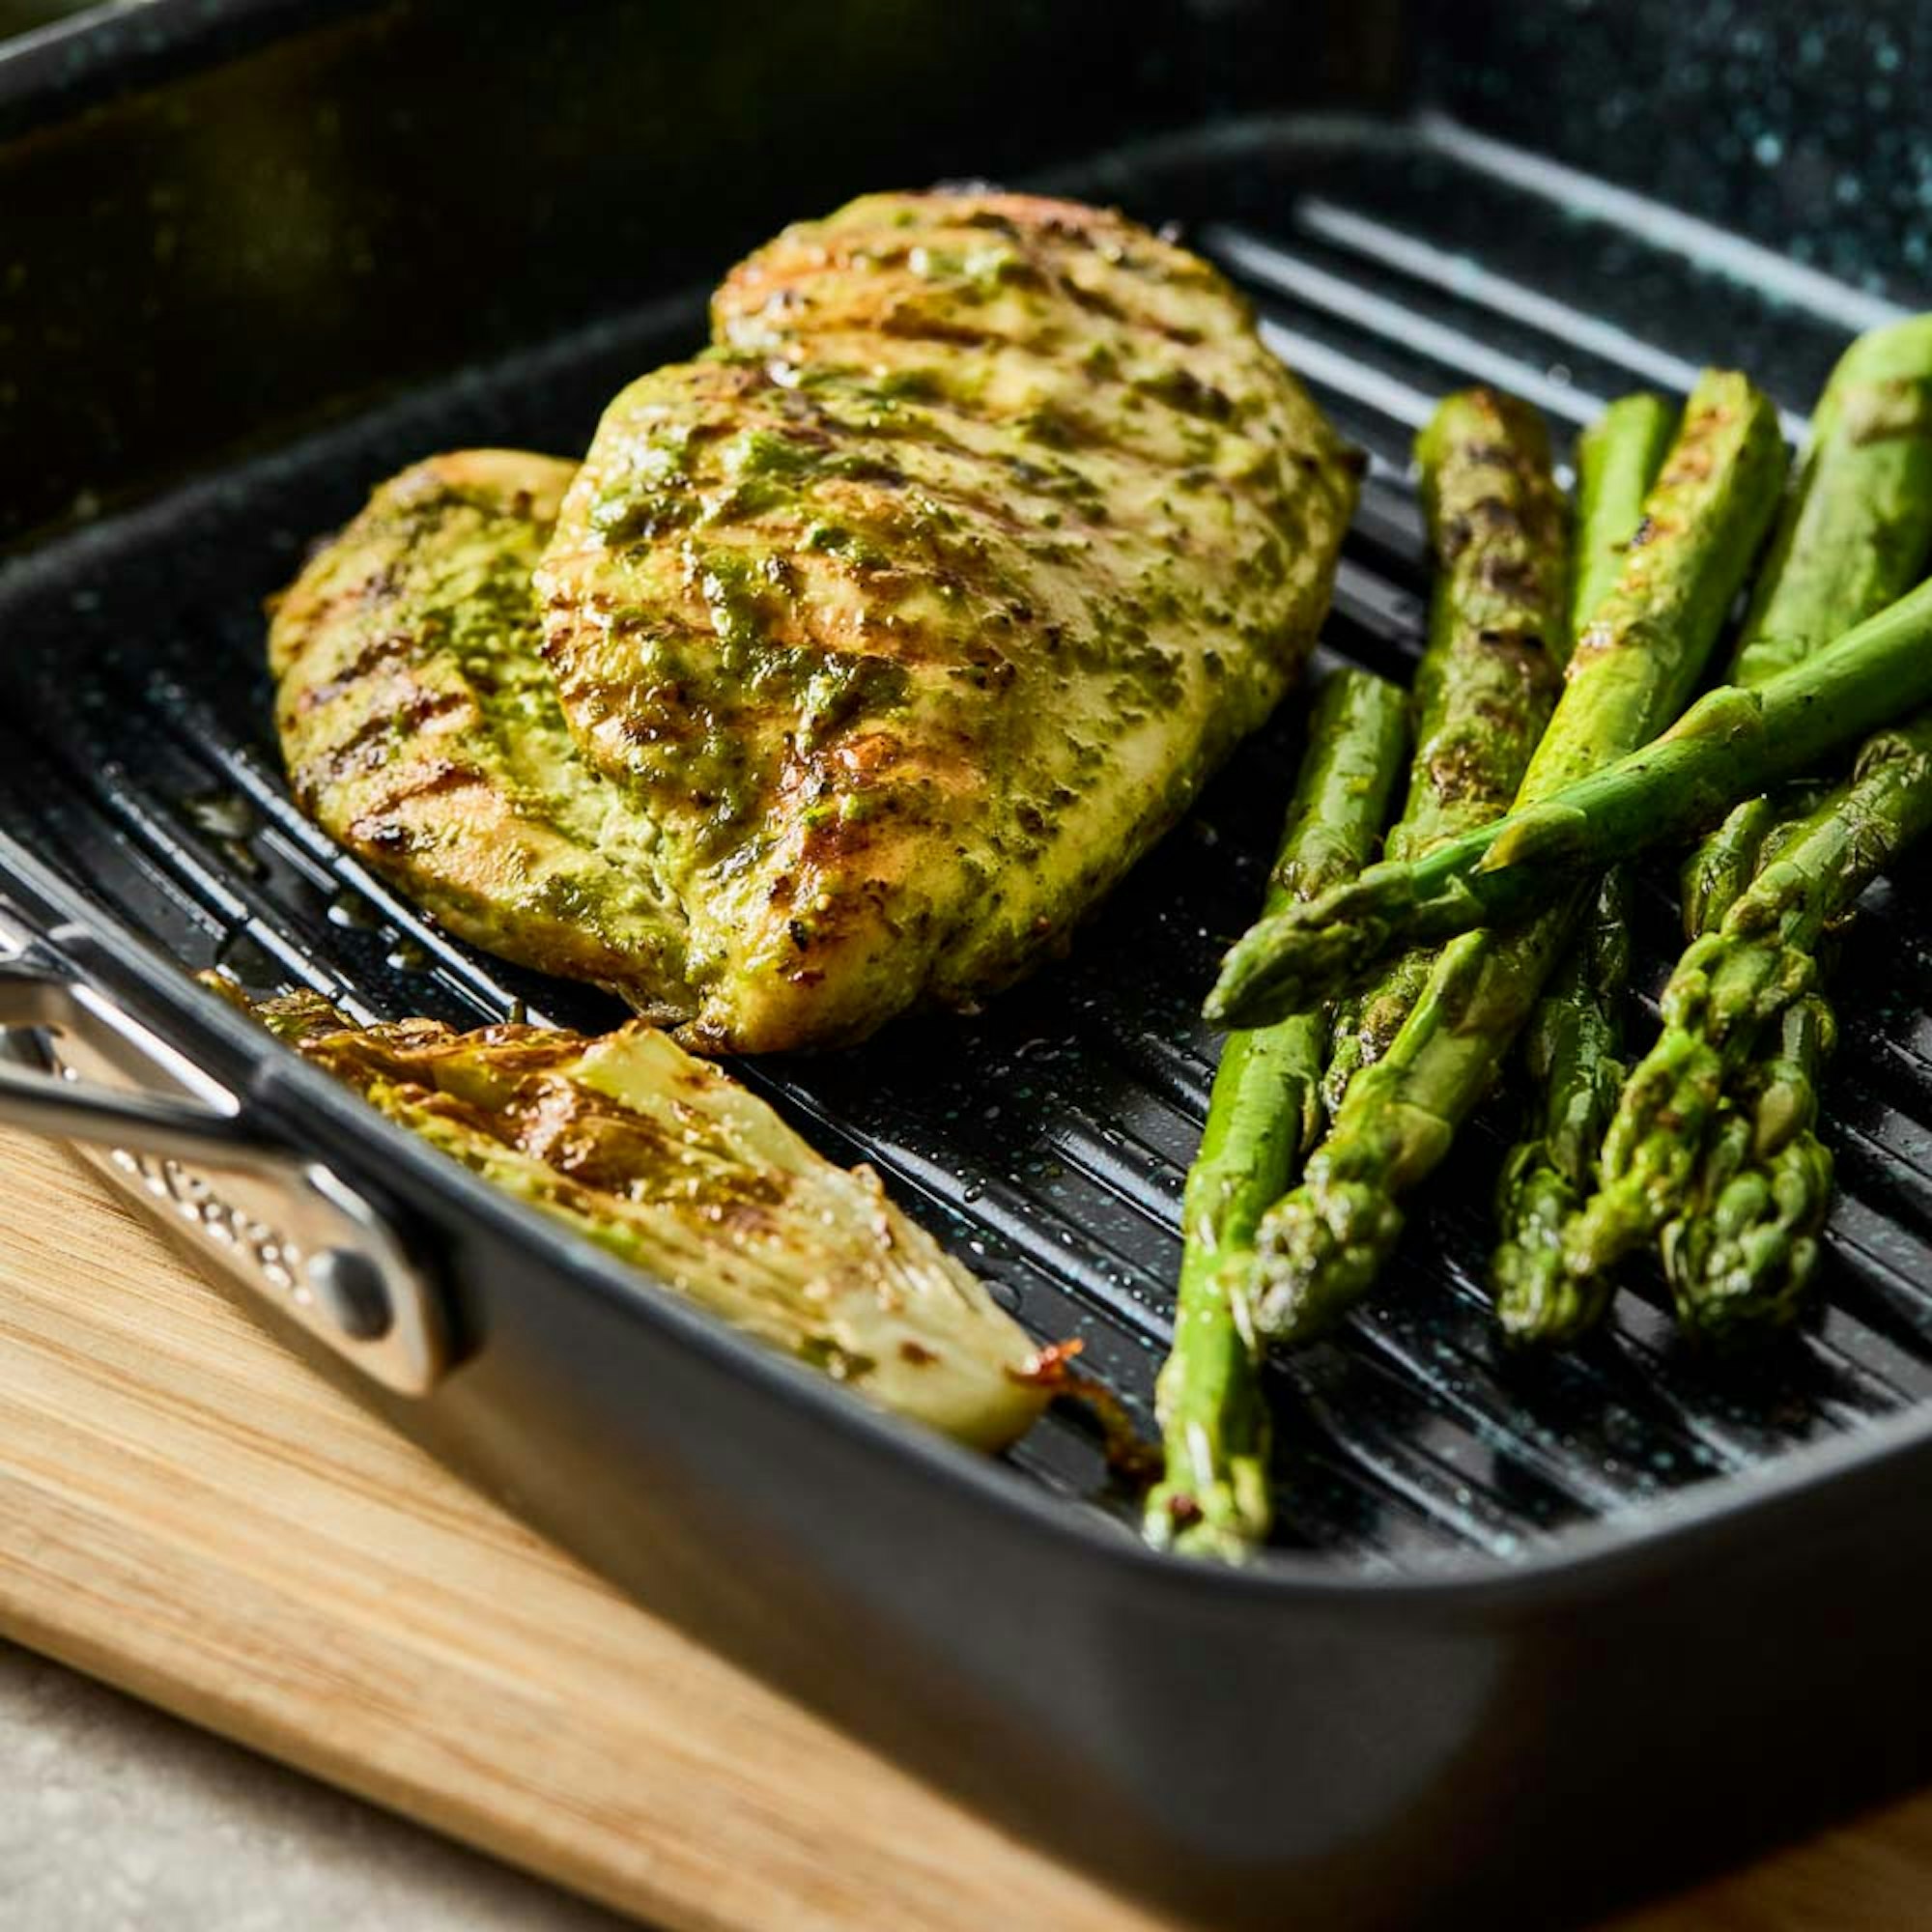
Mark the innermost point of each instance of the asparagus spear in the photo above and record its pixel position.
(1571, 1047)
(1732, 744)
(1213, 1500)
(1633, 666)
(1492, 669)
(1854, 537)
(1574, 1032)
(1538, 1298)
(1618, 461)
(1717, 871)
(1855, 532)
(1320, 1246)
(1733, 983)
(1743, 1251)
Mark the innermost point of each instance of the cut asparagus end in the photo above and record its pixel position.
(1895, 352)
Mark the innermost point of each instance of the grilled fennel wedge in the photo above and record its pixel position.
(894, 627)
(670, 1164)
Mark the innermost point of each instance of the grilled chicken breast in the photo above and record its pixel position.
(888, 632)
(421, 731)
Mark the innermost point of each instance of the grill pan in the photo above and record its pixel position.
(1534, 1633)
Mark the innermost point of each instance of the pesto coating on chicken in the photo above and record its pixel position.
(870, 648)
(422, 731)
(918, 607)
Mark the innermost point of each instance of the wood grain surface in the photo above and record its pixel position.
(188, 1513)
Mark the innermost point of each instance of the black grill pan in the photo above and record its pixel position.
(1534, 1633)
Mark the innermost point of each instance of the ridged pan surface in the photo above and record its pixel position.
(1047, 1137)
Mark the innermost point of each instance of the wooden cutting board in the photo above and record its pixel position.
(188, 1513)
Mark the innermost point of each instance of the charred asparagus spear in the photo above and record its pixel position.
(1538, 1297)
(1854, 537)
(1571, 1045)
(1631, 672)
(1264, 1109)
(1855, 534)
(1618, 461)
(1732, 744)
(1743, 1251)
(1573, 1036)
(1735, 984)
(1490, 673)
(1320, 1247)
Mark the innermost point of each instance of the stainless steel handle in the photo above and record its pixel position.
(286, 1226)
(76, 1111)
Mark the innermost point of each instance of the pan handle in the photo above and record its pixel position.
(76, 1110)
(76, 1067)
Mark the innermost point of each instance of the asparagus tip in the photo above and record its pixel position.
(1741, 1263)
(1316, 1253)
(1538, 1300)
(1614, 1222)
(1286, 964)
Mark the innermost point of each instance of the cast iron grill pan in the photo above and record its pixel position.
(1046, 1138)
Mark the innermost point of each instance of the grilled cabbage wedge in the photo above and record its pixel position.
(670, 1164)
(890, 630)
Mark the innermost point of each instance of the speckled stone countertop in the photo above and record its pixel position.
(120, 1817)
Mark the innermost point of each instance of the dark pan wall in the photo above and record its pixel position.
(1803, 126)
(348, 197)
